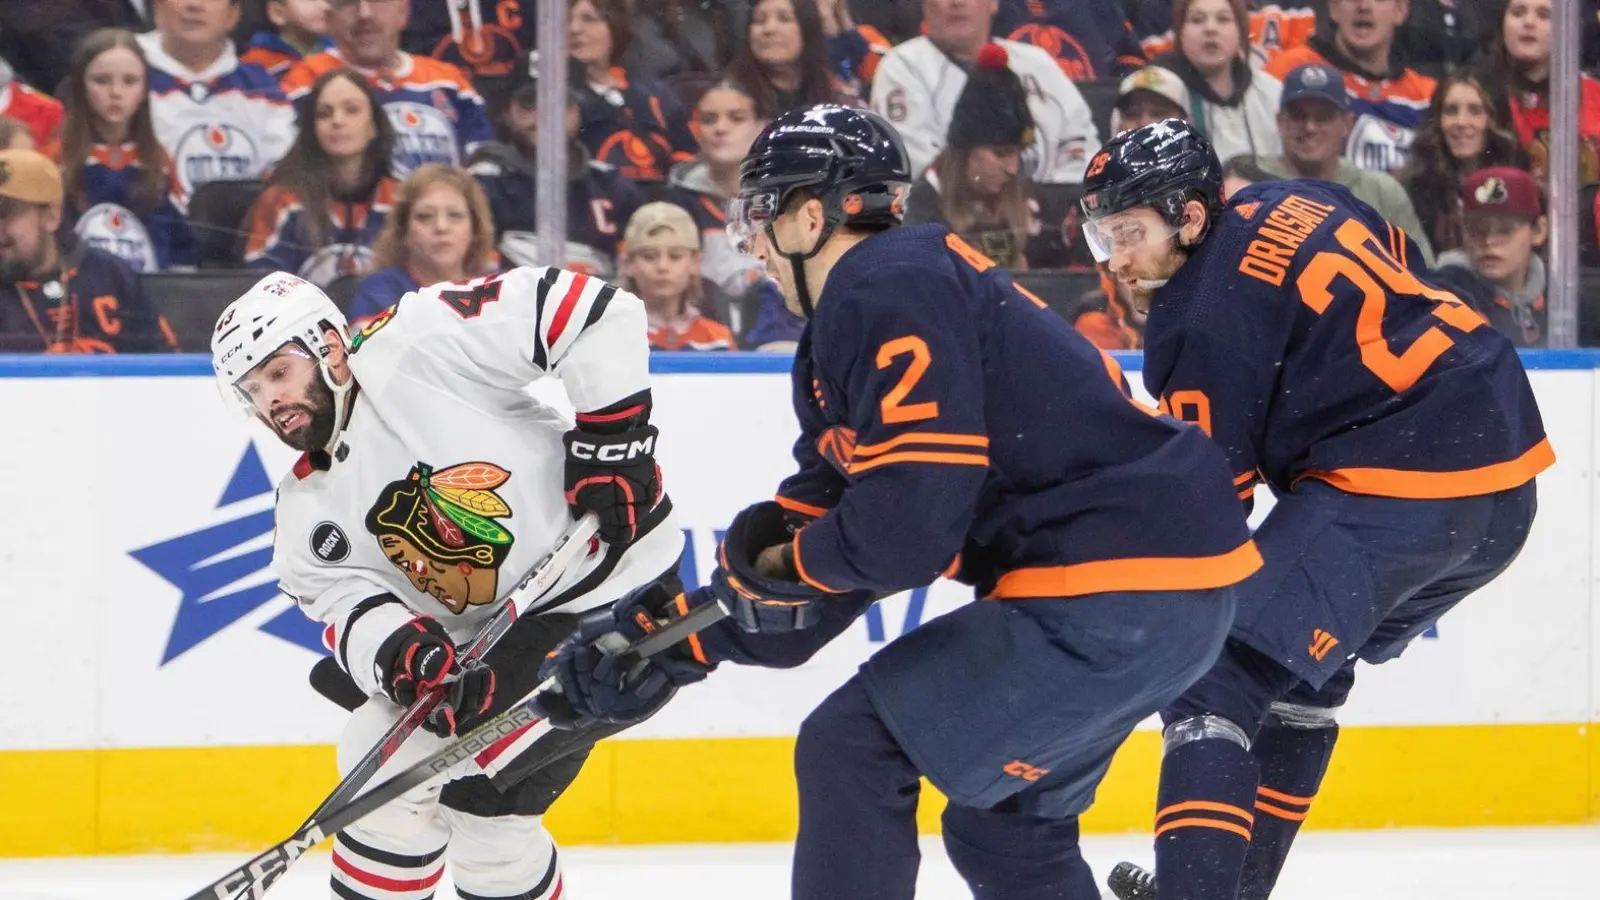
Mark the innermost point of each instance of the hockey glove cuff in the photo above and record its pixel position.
(762, 603)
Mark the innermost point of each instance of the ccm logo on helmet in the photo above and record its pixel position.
(614, 453)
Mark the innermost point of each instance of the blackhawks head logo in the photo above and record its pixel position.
(438, 527)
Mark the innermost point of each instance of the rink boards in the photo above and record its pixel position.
(159, 701)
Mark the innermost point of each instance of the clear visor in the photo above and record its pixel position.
(1125, 232)
(250, 383)
(748, 215)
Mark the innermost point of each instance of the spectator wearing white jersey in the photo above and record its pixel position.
(917, 85)
(217, 118)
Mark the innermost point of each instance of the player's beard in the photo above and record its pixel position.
(318, 410)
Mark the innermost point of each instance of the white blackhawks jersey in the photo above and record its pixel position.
(916, 87)
(446, 485)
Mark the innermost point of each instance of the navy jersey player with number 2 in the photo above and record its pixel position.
(1395, 427)
(949, 425)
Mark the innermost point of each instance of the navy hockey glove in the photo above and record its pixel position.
(598, 685)
(419, 657)
(611, 467)
(759, 602)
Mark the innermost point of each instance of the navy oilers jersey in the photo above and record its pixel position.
(950, 424)
(1305, 337)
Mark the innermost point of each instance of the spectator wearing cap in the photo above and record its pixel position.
(918, 83)
(1232, 103)
(661, 265)
(976, 186)
(1148, 96)
(63, 297)
(1503, 215)
(1315, 121)
(1388, 98)
(632, 123)
(438, 116)
(784, 62)
(600, 199)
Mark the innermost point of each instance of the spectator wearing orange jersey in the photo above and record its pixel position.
(1387, 98)
(636, 126)
(1273, 30)
(437, 115)
(1090, 39)
(661, 265)
(1518, 57)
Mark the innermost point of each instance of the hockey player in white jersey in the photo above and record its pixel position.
(431, 481)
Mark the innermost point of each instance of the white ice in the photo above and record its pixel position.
(1370, 865)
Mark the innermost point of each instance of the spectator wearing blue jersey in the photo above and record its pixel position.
(118, 178)
(440, 230)
(636, 125)
(785, 62)
(327, 201)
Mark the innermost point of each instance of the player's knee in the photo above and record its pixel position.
(832, 736)
(502, 856)
(1005, 856)
(1202, 728)
(1300, 716)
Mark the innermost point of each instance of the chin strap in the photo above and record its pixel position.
(797, 263)
(342, 400)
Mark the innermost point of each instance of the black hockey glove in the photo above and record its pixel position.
(758, 602)
(419, 657)
(611, 467)
(597, 685)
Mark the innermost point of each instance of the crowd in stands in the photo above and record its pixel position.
(376, 146)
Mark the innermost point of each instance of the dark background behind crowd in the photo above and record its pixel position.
(157, 155)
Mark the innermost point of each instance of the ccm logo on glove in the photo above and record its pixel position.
(614, 452)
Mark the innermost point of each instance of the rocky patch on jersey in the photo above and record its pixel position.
(438, 527)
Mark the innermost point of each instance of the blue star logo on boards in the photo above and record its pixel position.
(221, 576)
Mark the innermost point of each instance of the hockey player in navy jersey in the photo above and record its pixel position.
(1395, 427)
(950, 425)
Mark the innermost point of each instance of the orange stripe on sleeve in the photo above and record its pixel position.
(1240, 830)
(1246, 478)
(796, 506)
(917, 456)
(801, 569)
(1411, 485)
(922, 437)
(1162, 573)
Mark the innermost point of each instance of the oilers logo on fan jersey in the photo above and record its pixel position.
(116, 230)
(215, 151)
(422, 134)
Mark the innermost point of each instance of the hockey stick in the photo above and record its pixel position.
(260, 873)
(533, 586)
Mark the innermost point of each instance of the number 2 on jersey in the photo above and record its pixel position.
(1365, 264)
(893, 407)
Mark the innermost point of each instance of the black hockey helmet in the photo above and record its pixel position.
(850, 159)
(1162, 165)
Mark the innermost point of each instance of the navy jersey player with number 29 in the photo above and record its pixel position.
(1395, 427)
(949, 424)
